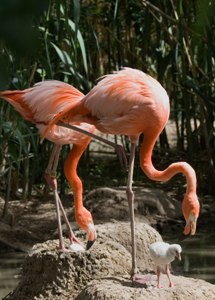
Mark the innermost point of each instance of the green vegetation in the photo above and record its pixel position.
(78, 41)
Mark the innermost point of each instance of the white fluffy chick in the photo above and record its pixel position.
(163, 254)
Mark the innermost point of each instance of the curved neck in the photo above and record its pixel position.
(165, 175)
(70, 169)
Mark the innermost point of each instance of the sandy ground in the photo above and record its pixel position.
(102, 272)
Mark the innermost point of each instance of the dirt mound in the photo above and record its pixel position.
(48, 274)
(120, 233)
(121, 289)
(147, 203)
(112, 203)
(103, 272)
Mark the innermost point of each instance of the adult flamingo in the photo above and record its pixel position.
(39, 105)
(130, 102)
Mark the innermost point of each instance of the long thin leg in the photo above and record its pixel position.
(60, 234)
(130, 197)
(118, 148)
(138, 278)
(50, 176)
(158, 278)
(71, 234)
(168, 275)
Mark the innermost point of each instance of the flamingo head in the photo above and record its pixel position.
(85, 221)
(175, 251)
(190, 209)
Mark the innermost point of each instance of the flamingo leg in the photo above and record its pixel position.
(168, 275)
(60, 233)
(118, 148)
(50, 176)
(158, 278)
(71, 234)
(130, 197)
(136, 278)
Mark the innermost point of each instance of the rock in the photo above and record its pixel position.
(157, 201)
(147, 202)
(107, 202)
(9, 236)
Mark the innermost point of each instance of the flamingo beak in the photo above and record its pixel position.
(91, 236)
(190, 227)
(193, 227)
(89, 244)
(190, 208)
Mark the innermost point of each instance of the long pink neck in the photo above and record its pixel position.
(165, 175)
(70, 169)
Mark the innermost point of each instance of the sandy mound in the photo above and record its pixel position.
(121, 289)
(48, 274)
(103, 272)
(120, 233)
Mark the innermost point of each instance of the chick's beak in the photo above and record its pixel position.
(91, 236)
(178, 255)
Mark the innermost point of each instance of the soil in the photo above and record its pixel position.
(103, 272)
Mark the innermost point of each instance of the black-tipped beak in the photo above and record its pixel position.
(91, 235)
(89, 244)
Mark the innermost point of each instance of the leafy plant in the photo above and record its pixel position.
(78, 41)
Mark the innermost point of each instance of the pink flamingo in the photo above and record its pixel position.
(130, 102)
(39, 105)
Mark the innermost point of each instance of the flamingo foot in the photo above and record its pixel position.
(63, 249)
(141, 279)
(160, 286)
(171, 284)
(74, 240)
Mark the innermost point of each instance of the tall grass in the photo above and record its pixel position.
(77, 41)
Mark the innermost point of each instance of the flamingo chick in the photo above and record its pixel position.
(39, 105)
(163, 254)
